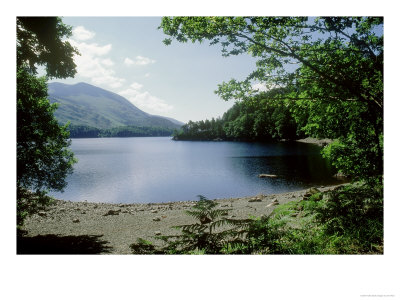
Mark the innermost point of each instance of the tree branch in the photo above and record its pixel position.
(312, 67)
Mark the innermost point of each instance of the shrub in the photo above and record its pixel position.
(29, 203)
(354, 212)
(205, 235)
(210, 235)
(347, 220)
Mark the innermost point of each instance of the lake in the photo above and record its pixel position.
(158, 169)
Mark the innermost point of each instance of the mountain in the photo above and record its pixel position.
(172, 120)
(83, 104)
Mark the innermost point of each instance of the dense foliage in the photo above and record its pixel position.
(41, 42)
(43, 157)
(80, 131)
(259, 119)
(331, 67)
(346, 220)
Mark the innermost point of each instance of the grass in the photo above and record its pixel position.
(348, 220)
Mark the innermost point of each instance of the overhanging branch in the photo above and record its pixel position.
(312, 67)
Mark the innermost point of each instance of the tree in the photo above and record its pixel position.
(331, 67)
(257, 119)
(40, 42)
(43, 157)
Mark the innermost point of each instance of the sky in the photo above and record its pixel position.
(126, 55)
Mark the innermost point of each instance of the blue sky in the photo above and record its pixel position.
(126, 55)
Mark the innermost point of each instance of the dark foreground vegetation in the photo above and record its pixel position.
(347, 220)
(55, 244)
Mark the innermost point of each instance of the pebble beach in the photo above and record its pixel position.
(68, 227)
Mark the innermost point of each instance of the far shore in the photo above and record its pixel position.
(308, 140)
(319, 142)
(102, 228)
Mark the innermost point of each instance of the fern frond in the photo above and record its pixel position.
(202, 236)
(192, 227)
(195, 214)
(202, 198)
(204, 203)
(242, 223)
(217, 213)
(218, 223)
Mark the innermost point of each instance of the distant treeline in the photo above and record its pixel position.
(80, 131)
(256, 120)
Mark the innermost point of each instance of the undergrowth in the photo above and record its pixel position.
(346, 220)
(209, 235)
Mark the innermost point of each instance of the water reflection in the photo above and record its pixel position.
(291, 169)
(143, 170)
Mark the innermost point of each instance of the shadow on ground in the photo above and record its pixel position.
(57, 244)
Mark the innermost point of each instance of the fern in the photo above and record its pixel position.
(209, 235)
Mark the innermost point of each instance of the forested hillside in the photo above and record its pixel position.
(95, 112)
(260, 119)
(79, 131)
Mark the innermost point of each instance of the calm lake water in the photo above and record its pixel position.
(145, 170)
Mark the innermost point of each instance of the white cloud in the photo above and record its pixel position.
(264, 87)
(82, 34)
(139, 61)
(92, 49)
(259, 86)
(107, 62)
(128, 61)
(93, 64)
(136, 86)
(108, 78)
(145, 101)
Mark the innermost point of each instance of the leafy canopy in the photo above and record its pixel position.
(41, 41)
(258, 119)
(43, 157)
(343, 56)
(331, 67)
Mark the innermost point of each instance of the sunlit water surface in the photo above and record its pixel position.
(158, 169)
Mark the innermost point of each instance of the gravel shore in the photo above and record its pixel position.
(101, 228)
(319, 142)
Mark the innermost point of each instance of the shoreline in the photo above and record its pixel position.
(319, 142)
(308, 140)
(68, 227)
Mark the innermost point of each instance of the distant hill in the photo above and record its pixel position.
(172, 120)
(83, 104)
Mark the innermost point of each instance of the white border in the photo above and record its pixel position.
(197, 277)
